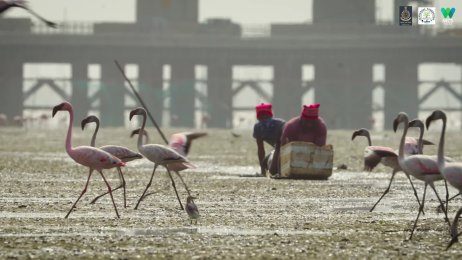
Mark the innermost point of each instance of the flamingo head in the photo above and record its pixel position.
(401, 117)
(417, 123)
(137, 131)
(360, 132)
(437, 114)
(65, 106)
(89, 119)
(137, 111)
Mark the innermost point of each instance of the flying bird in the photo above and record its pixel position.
(7, 4)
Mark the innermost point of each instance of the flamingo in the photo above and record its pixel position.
(181, 143)
(192, 210)
(451, 171)
(372, 157)
(93, 158)
(159, 155)
(422, 167)
(7, 4)
(123, 153)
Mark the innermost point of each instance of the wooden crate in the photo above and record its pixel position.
(302, 160)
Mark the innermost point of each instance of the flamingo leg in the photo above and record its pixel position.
(415, 191)
(147, 187)
(186, 186)
(81, 194)
(110, 193)
(122, 184)
(385, 192)
(420, 210)
(445, 210)
(174, 187)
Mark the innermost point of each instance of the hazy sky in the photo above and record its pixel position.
(240, 11)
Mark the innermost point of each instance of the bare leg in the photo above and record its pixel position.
(110, 193)
(420, 210)
(147, 187)
(181, 178)
(174, 187)
(445, 210)
(81, 194)
(122, 184)
(385, 192)
(415, 192)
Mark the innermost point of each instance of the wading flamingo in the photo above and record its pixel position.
(451, 171)
(181, 143)
(92, 157)
(192, 210)
(7, 4)
(123, 153)
(159, 155)
(422, 167)
(372, 157)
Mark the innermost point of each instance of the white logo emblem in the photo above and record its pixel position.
(426, 15)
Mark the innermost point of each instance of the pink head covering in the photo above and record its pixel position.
(263, 109)
(310, 111)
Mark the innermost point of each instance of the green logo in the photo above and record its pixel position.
(448, 12)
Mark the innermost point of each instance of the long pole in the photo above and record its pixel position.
(141, 101)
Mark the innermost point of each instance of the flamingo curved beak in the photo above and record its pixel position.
(56, 109)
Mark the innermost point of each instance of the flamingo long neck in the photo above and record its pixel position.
(401, 144)
(441, 147)
(420, 141)
(140, 134)
(93, 138)
(69, 132)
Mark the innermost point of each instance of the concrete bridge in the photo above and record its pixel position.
(342, 50)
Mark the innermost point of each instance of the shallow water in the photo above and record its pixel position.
(241, 217)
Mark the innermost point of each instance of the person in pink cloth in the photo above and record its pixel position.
(308, 127)
(267, 130)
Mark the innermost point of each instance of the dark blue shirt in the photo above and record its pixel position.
(269, 130)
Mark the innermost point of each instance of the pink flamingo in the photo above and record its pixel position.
(123, 153)
(422, 167)
(451, 171)
(91, 157)
(373, 156)
(7, 4)
(181, 143)
(159, 155)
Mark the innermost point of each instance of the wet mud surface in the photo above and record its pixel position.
(241, 217)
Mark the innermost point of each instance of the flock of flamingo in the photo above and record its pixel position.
(172, 158)
(410, 159)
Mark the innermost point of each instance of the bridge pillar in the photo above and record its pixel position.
(150, 83)
(112, 95)
(79, 97)
(220, 95)
(344, 89)
(182, 95)
(287, 90)
(401, 91)
(11, 99)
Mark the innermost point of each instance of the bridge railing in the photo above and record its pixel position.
(73, 28)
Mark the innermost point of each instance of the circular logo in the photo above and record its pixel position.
(426, 15)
